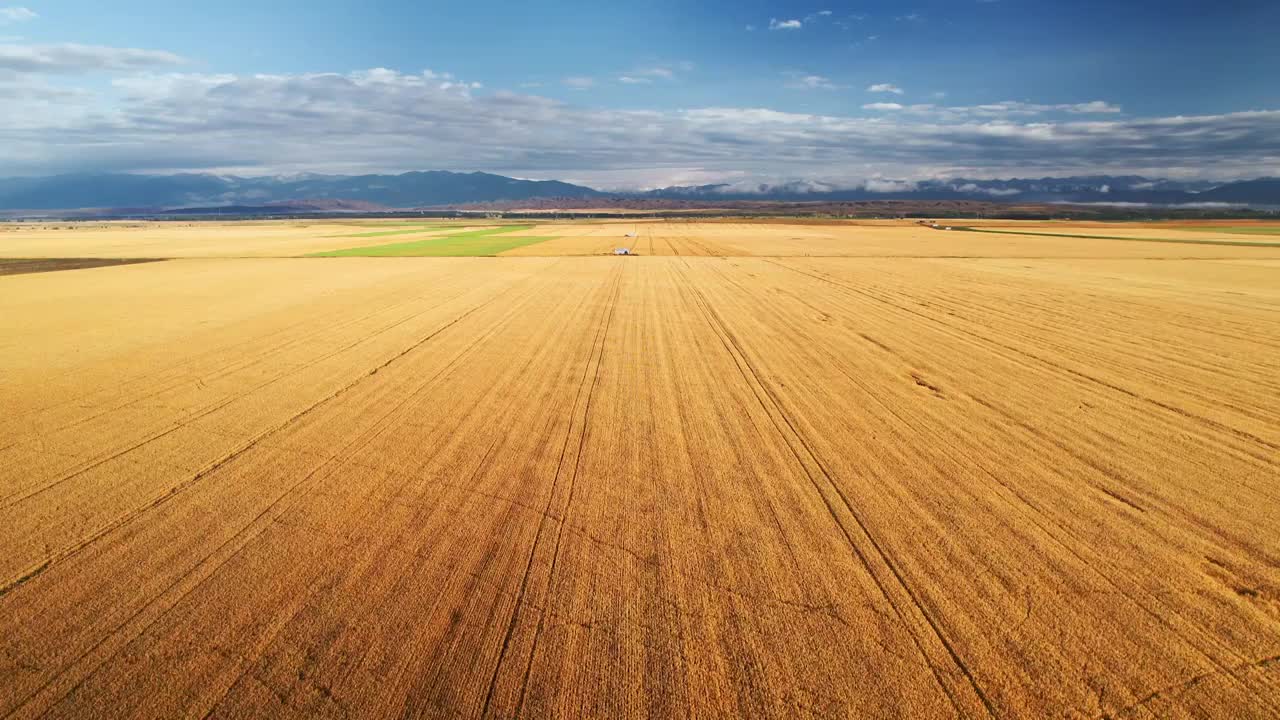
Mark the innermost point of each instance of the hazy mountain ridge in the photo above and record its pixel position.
(1089, 189)
(414, 189)
(371, 193)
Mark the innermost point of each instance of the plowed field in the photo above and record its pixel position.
(1004, 476)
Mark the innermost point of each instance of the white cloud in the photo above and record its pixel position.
(13, 15)
(800, 81)
(647, 75)
(882, 185)
(882, 106)
(70, 58)
(1097, 106)
(665, 71)
(384, 121)
(759, 185)
(579, 82)
(150, 85)
(775, 24)
(993, 192)
(1014, 108)
(885, 88)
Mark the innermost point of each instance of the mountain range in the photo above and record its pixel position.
(1119, 190)
(438, 189)
(409, 190)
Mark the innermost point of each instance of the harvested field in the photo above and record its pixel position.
(730, 237)
(268, 238)
(794, 471)
(1133, 237)
(39, 265)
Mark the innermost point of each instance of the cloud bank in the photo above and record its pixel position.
(71, 58)
(885, 88)
(14, 15)
(385, 121)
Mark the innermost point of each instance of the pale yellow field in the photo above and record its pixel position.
(888, 238)
(935, 475)
(884, 239)
(1154, 230)
(211, 239)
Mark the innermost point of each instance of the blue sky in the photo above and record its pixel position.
(643, 93)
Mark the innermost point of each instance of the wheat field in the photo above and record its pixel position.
(758, 470)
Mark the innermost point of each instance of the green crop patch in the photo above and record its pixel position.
(386, 233)
(472, 243)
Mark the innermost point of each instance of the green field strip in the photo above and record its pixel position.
(1183, 241)
(406, 223)
(467, 248)
(466, 244)
(385, 233)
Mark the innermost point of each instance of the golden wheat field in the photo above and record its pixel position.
(758, 470)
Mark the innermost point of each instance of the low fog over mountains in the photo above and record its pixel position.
(440, 188)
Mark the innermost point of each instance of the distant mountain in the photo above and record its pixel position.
(1097, 189)
(436, 189)
(1263, 191)
(409, 190)
(80, 191)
